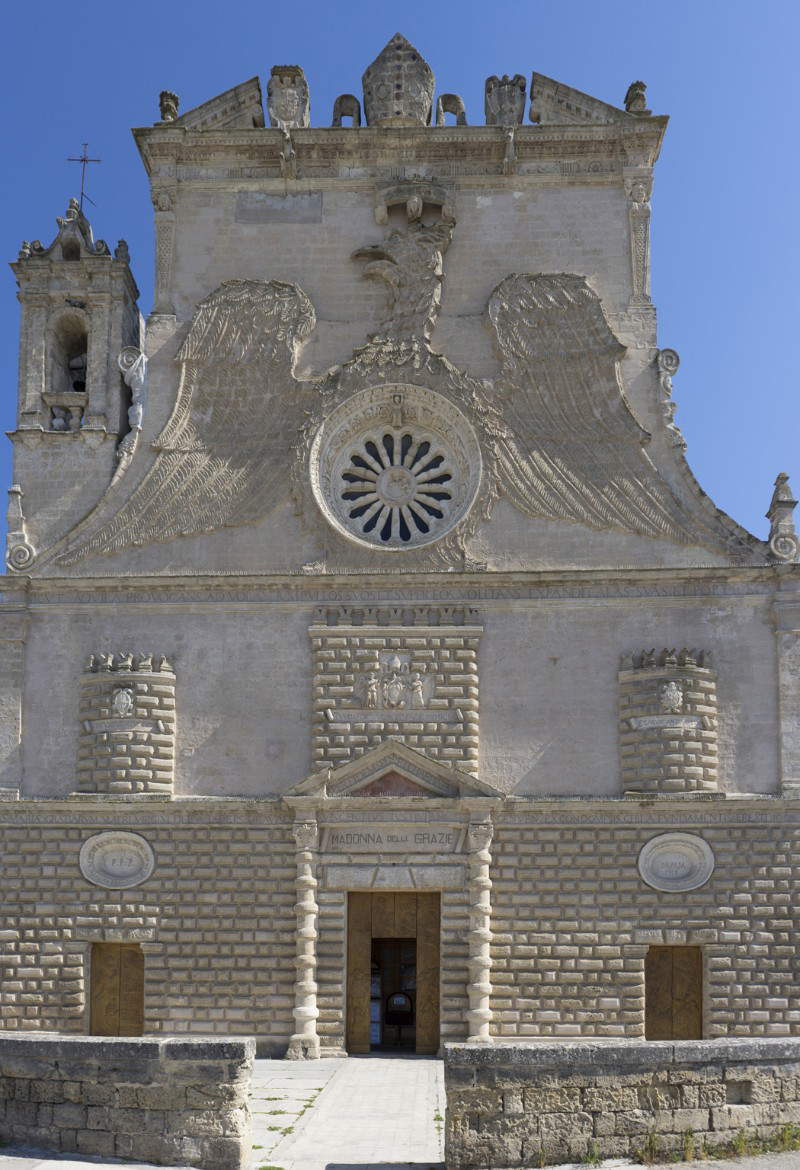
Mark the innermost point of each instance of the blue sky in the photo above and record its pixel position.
(725, 233)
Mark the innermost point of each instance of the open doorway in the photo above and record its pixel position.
(393, 973)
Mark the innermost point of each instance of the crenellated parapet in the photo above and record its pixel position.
(668, 722)
(127, 735)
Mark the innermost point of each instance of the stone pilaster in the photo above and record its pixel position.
(164, 207)
(638, 186)
(13, 631)
(479, 1016)
(787, 635)
(304, 1044)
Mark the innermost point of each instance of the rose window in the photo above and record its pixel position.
(395, 466)
(397, 485)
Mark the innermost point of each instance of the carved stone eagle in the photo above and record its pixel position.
(558, 436)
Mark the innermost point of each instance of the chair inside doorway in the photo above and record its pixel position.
(393, 994)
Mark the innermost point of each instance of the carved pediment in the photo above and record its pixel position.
(239, 108)
(555, 103)
(393, 771)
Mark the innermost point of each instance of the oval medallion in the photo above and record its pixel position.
(116, 861)
(676, 861)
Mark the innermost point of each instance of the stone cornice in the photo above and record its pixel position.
(516, 811)
(325, 150)
(396, 588)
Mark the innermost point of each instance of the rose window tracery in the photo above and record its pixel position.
(397, 485)
(395, 466)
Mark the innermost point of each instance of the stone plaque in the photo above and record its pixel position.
(116, 861)
(259, 207)
(421, 838)
(676, 861)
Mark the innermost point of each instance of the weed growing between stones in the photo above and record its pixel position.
(592, 1155)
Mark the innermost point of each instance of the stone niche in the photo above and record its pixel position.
(668, 722)
(390, 673)
(127, 736)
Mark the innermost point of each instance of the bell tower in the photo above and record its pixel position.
(79, 310)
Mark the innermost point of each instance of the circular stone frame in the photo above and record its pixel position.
(395, 467)
(674, 862)
(116, 861)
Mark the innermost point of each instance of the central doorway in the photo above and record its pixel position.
(393, 972)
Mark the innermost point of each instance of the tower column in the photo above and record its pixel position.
(304, 1044)
(479, 838)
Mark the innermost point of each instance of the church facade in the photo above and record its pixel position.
(375, 672)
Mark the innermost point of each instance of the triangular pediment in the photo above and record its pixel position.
(239, 108)
(556, 103)
(393, 770)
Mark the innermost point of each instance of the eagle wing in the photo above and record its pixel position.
(222, 456)
(568, 447)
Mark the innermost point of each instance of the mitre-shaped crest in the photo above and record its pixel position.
(398, 86)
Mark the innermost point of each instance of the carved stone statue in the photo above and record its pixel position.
(372, 694)
(398, 86)
(417, 690)
(288, 102)
(636, 98)
(168, 105)
(505, 100)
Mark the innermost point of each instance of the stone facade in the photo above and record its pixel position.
(158, 1101)
(362, 538)
(532, 1105)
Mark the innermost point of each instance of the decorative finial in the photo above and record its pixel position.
(398, 86)
(168, 105)
(636, 98)
(783, 543)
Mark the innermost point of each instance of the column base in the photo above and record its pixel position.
(303, 1048)
(482, 1040)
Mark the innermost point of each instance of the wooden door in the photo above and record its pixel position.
(117, 989)
(392, 915)
(428, 974)
(673, 995)
(359, 956)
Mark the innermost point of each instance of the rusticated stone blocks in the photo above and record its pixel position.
(392, 673)
(537, 1104)
(127, 737)
(668, 722)
(151, 1100)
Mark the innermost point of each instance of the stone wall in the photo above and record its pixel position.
(572, 918)
(525, 1105)
(416, 683)
(164, 1101)
(215, 919)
